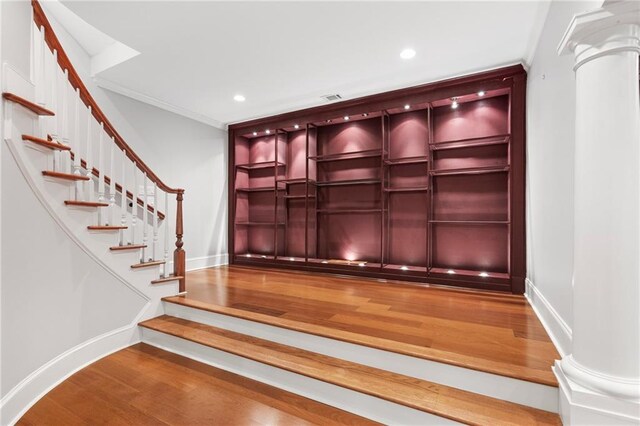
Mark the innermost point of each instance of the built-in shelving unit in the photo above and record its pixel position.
(424, 184)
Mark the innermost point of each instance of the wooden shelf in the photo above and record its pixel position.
(470, 143)
(260, 165)
(405, 268)
(406, 161)
(453, 272)
(258, 189)
(354, 155)
(472, 222)
(296, 181)
(346, 211)
(255, 256)
(298, 197)
(350, 182)
(259, 223)
(408, 189)
(469, 171)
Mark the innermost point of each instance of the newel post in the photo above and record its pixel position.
(179, 255)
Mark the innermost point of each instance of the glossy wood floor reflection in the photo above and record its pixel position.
(496, 333)
(143, 385)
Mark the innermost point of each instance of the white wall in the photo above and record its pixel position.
(183, 153)
(550, 153)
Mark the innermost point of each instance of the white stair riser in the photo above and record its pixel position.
(513, 390)
(355, 402)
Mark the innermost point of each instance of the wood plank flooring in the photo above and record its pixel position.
(492, 332)
(143, 385)
(444, 401)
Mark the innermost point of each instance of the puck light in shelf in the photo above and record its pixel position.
(365, 114)
(361, 264)
(296, 126)
(248, 255)
(483, 274)
(268, 131)
(407, 106)
(239, 98)
(481, 93)
(451, 271)
(407, 53)
(454, 103)
(255, 133)
(329, 121)
(263, 256)
(325, 261)
(404, 268)
(292, 258)
(346, 118)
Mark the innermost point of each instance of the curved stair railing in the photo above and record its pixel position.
(72, 125)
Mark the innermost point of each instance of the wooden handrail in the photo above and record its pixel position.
(52, 41)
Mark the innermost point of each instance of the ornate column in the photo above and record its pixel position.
(600, 379)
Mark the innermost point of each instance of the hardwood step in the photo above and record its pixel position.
(167, 279)
(128, 247)
(440, 400)
(33, 107)
(148, 264)
(105, 227)
(64, 176)
(85, 203)
(46, 143)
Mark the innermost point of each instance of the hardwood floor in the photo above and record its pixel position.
(492, 332)
(143, 385)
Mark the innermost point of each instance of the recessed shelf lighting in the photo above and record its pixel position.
(268, 131)
(329, 121)
(407, 53)
(346, 118)
(296, 126)
(292, 259)
(325, 261)
(365, 114)
(407, 106)
(248, 255)
(361, 264)
(255, 133)
(454, 103)
(451, 271)
(404, 268)
(263, 256)
(483, 274)
(239, 98)
(481, 93)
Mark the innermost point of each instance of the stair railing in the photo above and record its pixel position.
(80, 123)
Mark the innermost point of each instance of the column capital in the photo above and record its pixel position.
(613, 28)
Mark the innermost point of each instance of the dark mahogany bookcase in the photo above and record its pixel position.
(424, 184)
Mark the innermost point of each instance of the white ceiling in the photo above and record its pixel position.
(195, 56)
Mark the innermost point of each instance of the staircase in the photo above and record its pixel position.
(116, 207)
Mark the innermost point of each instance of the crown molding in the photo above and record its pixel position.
(150, 100)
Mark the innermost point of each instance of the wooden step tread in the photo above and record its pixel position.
(128, 247)
(33, 107)
(440, 400)
(105, 227)
(148, 264)
(85, 203)
(65, 176)
(46, 143)
(428, 353)
(167, 279)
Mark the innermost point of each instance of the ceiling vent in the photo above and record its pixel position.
(332, 98)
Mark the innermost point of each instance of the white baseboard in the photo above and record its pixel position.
(558, 330)
(195, 263)
(29, 391)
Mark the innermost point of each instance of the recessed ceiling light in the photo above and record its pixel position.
(481, 93)
(346, 118)
(255, 133)
(239, 98)
(296, 126)
(407, 106)
(268, 131)
(407, 53)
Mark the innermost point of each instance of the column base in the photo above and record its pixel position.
(580, 405)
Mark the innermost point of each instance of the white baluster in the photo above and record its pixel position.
(101, 173)
(65, 120)
(166, 235)
(134, 204)
(40, 71)
(55, 101)
(123, 198)
(76, 145)
(89, 171)
(112, 185)
(155, 220)
(145, 236)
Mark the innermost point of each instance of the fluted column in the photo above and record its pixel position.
(601, 377)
